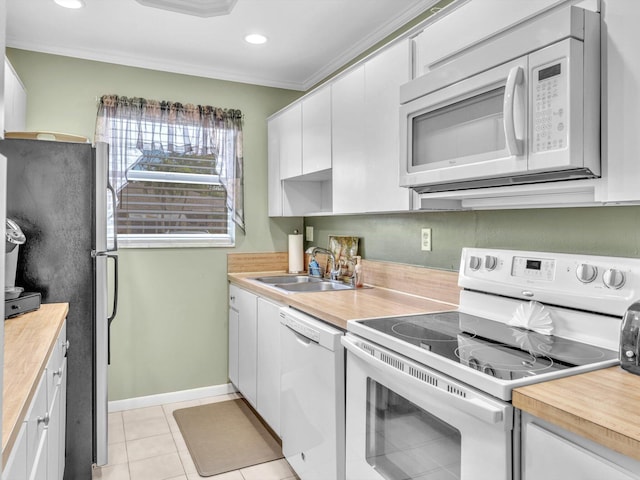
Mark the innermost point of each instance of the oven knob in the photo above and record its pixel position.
(489, 370)
(475, 263)
(490, 262)
(586, 273)
(613, 278)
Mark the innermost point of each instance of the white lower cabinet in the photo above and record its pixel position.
(39, 450)
(268, 365)
(550, 452)
(243, 316)
(254, 352)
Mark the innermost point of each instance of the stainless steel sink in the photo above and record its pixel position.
(287, 279)
(303, 283)
(321, 286)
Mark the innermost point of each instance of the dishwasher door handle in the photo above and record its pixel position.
(306, 341)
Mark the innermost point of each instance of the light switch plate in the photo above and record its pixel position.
(309, 234)
(426, 239)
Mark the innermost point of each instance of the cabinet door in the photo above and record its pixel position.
(384, 74)
(548, 456)
(620, 99)
(15, 96)
(274, 184)
(39, 470)
(246, 304)
(291, 142)
(16, 467)
(454, 31)
(53, 436)
(234, 320)
(269, 363)
(348, 136)
(62, 431)
(36, 420)
(316, 131)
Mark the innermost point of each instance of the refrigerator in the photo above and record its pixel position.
(59, 194)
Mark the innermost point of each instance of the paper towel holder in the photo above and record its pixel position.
(296, 253)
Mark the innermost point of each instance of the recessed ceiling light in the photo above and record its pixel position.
(70, 3)
(255, 39)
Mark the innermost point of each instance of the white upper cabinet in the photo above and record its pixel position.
(620, 100)
(290, 133)
(469, 23)
(15, 100)
(349, 160)
(383, 76)
(274, 186)
(365, 129)
(316, 131)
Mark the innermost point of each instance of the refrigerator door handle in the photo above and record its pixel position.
(114, 311)
(115, 218)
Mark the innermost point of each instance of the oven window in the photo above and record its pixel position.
(470, 127)
(406, 442)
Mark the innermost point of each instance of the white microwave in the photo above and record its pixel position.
(534, 117)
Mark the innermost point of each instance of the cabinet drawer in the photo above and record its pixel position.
(53, 372)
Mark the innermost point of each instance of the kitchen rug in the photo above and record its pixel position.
(225, 436)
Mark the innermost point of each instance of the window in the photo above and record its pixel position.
(176, 170)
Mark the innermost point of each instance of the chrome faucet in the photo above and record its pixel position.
(335, 269)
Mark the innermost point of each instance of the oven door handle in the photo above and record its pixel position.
(479, 408)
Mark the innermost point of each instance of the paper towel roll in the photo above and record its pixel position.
(296, 254)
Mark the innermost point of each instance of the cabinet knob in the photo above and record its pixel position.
(58, 372)
(44, 419)
(65, 346)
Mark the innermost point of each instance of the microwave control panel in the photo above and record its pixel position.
(550, 106)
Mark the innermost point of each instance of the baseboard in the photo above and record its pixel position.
(170, 397)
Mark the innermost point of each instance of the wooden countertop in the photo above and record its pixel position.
(28, 342)
(603, 406)
(338, 307)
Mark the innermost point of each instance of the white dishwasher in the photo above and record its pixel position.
(312, 403)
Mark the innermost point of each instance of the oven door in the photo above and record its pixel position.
(405, 421)
(471, 130)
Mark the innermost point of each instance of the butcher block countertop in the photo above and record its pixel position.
(602, 406)
(28, 343)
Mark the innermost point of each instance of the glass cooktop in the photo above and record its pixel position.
(490, 347)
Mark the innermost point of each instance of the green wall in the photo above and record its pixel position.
(396, 237)
(171, 330)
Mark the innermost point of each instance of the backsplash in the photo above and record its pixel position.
(396, 237)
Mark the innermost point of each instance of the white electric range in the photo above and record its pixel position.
(428, 396)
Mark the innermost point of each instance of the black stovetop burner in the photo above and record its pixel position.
(488, 346)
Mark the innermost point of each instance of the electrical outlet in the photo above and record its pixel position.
(426, 239)
(309, 233)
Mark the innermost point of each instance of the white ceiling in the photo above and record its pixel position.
(308, 39)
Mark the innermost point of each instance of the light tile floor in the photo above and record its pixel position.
(146, 444)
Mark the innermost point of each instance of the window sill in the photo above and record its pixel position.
(166, 241)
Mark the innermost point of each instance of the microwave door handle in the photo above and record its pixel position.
(515, 78)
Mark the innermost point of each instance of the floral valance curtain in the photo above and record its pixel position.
(126, 122)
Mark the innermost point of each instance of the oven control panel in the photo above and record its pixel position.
(589, 282)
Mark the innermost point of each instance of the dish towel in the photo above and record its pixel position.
(532, 316)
